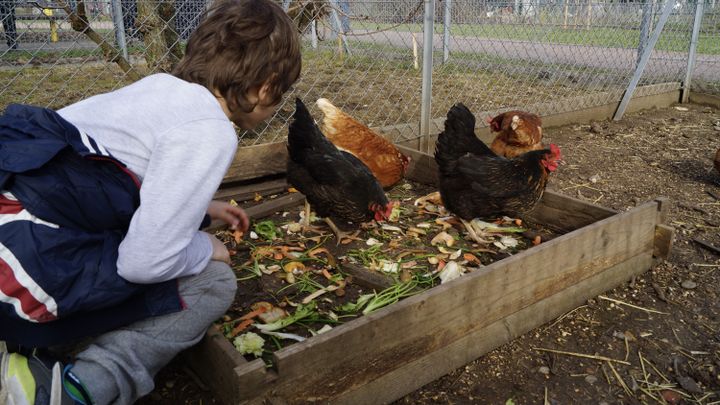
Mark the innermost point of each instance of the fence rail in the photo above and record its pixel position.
(368, 56)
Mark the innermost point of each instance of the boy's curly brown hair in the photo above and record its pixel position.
(240, 45)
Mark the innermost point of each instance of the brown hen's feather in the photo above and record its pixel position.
(518, 132)
(383, 159)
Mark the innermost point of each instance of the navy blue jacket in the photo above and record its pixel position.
(65, 206)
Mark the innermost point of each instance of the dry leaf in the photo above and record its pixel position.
(451, 271)
(292, 266)
(272, 315)
(238, 235)
(537, 240)
(262, 251)
(258, 197)
(443, 237)
(409, 264)
(292, 190)
(391, 228)
(471, 258)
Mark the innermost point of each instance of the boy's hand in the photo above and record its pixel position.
(231, 215)
(219, 250)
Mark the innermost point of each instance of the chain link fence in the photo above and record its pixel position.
(545, 56)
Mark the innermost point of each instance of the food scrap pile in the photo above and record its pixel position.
(294, 285)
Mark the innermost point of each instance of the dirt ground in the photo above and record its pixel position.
(670, 340)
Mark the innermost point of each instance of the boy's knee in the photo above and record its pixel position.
(213, 287)
(224, 281)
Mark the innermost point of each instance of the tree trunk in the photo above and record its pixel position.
(157, 25)
(79, 23)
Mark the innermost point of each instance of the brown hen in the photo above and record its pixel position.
(518, 132)
(383, 159)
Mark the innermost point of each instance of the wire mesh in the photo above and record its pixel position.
(706, 76)
(545, 56)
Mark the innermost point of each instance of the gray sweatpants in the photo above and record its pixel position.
(118, 367)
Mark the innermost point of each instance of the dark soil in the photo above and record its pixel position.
(663, 152)
(399, 251)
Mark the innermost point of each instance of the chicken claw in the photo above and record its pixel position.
(305, 222)
(473, 235)
(340, 235)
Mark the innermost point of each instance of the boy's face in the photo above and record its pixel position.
(250, 120)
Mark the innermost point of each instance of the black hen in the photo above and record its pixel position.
(474, 182)
(336, 183)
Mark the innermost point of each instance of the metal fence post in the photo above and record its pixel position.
(338, 26)
(446, 30)
(644, 27)
(644, 60)
(119, 27)
(692, 55)
(313, 33)
(428, 28)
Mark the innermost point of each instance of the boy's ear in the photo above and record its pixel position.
(263, 93)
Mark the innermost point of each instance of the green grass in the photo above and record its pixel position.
(605, 37)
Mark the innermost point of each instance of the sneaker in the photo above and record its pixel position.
(32, 380)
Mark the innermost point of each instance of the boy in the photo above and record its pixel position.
(85, 251)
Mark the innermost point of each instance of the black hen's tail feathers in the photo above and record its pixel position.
(460, 121)
(303, 132)
(459, 138)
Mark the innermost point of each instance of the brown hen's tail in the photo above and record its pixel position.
(328, 109)
(326, 106)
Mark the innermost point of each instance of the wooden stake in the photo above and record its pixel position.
(707, 246)
(416, 64)
(620, 380)
(602, 297)
(586, 356)
(589, 14)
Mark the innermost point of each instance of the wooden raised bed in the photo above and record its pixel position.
(382, 356)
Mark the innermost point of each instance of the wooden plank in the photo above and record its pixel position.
(663, 241)
(441, 315)
(247, 191)
(275, 205)
(367, 278)
(709, 100)
(568, 111)
(663, 209)
(264, 209)
(562, 213)
(477, 342)
(219, 365)
(252, 162)
(422, 168)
